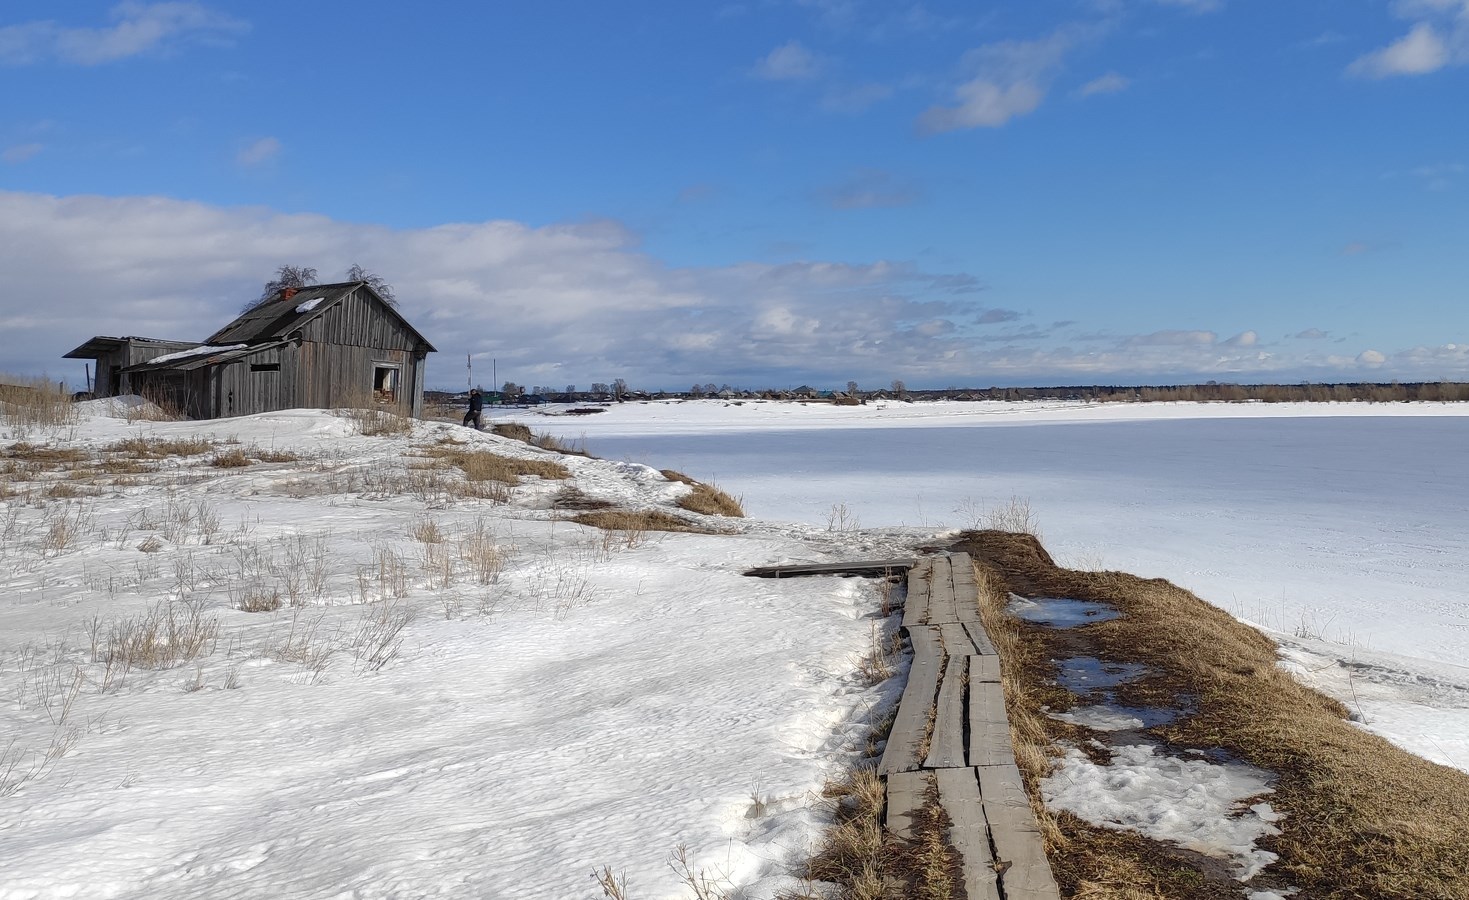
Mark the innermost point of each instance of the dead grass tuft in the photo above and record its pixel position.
(50, 457)
(711, 501)
(680, 477)
(1362, 817)
(139, 447)
(637, 520)
(482, 465)
(233, 458)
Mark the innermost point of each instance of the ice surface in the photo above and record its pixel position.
(1195, 804)
(1083, 674)
(1345, 520)
(1059, 612)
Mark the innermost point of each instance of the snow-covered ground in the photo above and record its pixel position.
(413, 723)
(1341, 528)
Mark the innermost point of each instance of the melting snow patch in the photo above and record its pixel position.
(1100, 718)
(1194, 804)
(309, 305)
(1056, 612)
(197, 351)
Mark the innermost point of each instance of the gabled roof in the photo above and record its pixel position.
(277, 319)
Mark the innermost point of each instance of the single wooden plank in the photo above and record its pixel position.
(989, 727)
(946, 750)
(980, 638)
(901, 753)
(915, 607)
(905, 797)
(941, 593)
(984, 669)
(956, 640)
(966, 594)
(859, 567)
(1018, 844)
(959, 795)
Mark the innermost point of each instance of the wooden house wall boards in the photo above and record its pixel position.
(320, 347)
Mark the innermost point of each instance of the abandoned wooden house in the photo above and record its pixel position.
(317, 347)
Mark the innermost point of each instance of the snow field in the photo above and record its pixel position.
(494, 713)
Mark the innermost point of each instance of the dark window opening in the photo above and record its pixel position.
(265, 367)
(385, 384)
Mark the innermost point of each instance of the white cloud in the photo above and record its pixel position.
(137, 28)
(1011, 79)
(789, 62)
(579, 302)
(1371, 358)
(1111, 83)
(1243, 339)
(576, 303)
(1439, 37)
(20, 153)
(259, 152)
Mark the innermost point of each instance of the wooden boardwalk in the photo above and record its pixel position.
(955, 682)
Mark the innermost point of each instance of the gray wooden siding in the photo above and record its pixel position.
(360, 320)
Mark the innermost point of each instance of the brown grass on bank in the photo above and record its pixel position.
(711, 501)
(518, 432)
(1363, 819)
(482, 465)
(637, 520)
(680, 477)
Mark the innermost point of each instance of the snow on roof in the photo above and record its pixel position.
(309, 305)
(197, 351)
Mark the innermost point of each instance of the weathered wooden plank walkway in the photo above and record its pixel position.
(951, 726)
(858, 567)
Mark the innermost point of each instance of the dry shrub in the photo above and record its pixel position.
(711, 501)
(514, 431)
(165, 635)
(639, 520)
(1363, 818)
(233, 458)
(375, 422)
(35, 403)
(680, 477)
(256, 599)
(271, 455)
(139, 447)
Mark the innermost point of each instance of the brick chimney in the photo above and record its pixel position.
(288, 293)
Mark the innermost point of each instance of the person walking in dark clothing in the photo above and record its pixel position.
(476, 407)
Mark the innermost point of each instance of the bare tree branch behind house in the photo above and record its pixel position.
(376, 282)
(285, 277)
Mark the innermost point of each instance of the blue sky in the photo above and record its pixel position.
(762, 193)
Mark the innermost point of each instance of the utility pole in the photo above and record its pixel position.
(469, 370)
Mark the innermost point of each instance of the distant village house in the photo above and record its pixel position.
(317, 347)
